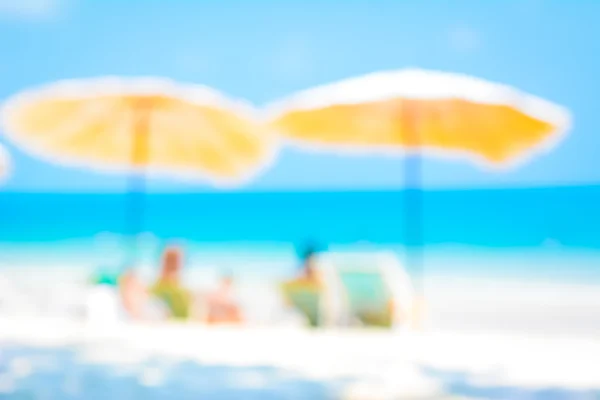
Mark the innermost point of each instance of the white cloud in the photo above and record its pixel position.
(464, 39)
(29, 8)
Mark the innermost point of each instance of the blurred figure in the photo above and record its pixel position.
(222, 305)
(304, 292)
(214, 308)
(133, 295)
(308, 267)
(167, 288)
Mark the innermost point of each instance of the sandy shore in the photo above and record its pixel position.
(375, 364)
(513, 306)
(483, 338)
(454, 303)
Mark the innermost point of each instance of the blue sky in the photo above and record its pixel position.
(262, 50)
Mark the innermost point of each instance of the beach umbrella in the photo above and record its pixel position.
(413, 112)
(5, 164)
(140, 126)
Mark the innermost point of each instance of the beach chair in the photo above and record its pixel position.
(105, 277)
(368, 289)
(306, 299)
(320, 304)
(373, 289)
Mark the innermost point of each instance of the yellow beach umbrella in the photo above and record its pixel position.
(416, 111)
(139, 125)
(433, 112)
(5, 164)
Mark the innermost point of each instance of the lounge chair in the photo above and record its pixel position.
(319, 303)
(306, 298)
(368, 289)
(373, 289)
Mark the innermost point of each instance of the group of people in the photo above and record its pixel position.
(218, 306)
(179, 302)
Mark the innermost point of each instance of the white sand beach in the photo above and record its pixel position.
(374, 364)
(481, 339)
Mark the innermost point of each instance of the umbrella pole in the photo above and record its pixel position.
(413, 217)
(413, 232)
(413, 210)
(137, 184)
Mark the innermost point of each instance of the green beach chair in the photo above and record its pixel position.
(306, 298)
(105, 277)
(368, 298)
(375, 289)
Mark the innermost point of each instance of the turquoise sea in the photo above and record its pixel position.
(553, 232)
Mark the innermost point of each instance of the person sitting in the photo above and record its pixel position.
(304, 291)
(308, 268)
(222, 306)
(168, 289)
(133, 294)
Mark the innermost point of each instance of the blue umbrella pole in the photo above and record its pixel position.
(413, 218)
(136, 193)
(135, 214)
